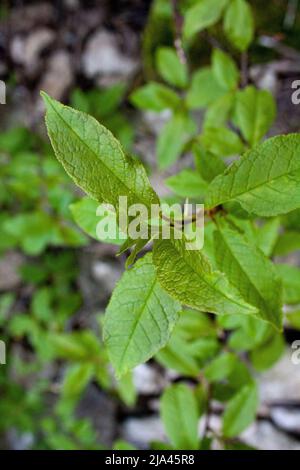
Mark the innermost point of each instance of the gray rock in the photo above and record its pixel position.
(27, 51)
(103, 58)
(263, 435)
(107, 274)
(142, 431)
(156, 121)
(99, 272)
(10, 264)
(282, 382)
(25, 18)
(101, 410)
(148, 380)
(286, 418)
(58, 76)
(19, 441)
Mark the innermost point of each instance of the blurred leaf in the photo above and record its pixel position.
(127, 389)
(208, 164)
(254, 113)
(219, 111)
(177, 356)
(221, 367)
(170, 67)
(239, 24)
(204, 89)
(75, 346)
(106, 101)
(294, 319)
(155, 97)
(180, 415)
(16, 139)
(287, 242)
(80, 100)
(193, 324)
(123, 445)
(76, 379)
(225, 70)
(169, 148)
(266, 355)
(290, 276)
(187, 183)
(240, 411)
(221, 141)
(41, 304)
(203, 14)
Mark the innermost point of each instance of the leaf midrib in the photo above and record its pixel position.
(242, 269)
(235, 196)
(211, 286)
(92, 151)
(137, 320)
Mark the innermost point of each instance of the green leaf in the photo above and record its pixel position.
(127, 389)
(250, 271)
(33, 231)
(105, 102)
(6, 303)
(204, 90)
(203, 349)
(155, 97)
(80, 101)
(188, 276)
(76, 379)
(225, 70)
(15, 140)
(94, 159)
(187, 183)
(170, 67)
(291, 221)
(266, 236)
(221, 367)
(123, 445)
(221, 141)
(77, 346)
(85, 215)
(294, 319)
(177, 355)
(290, 276)
(266, 355)
(169, 148)
(41, 304)
(265, 181)
(239, 24)
(134, 330)
(208, 164)
(180, 415)
(219, 111)
(203, 14)
(240, 411)
(287, 242)
(193, 325)
(254, 113)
